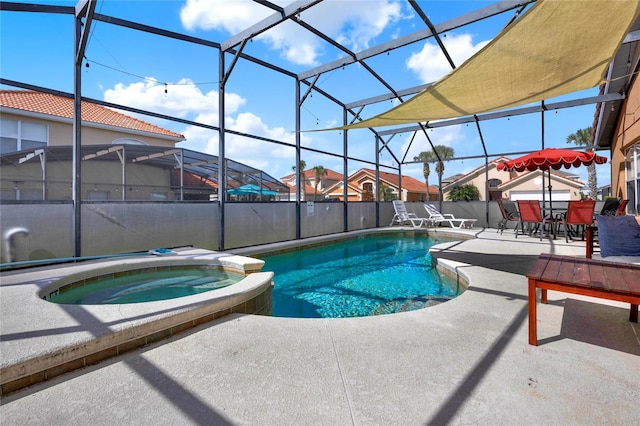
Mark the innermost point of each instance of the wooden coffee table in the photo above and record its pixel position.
(588, 277)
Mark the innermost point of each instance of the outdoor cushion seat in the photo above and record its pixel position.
(618, 236)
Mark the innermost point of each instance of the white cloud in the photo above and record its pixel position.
(231, 16)
(187, 101)
(430, 64)
(352, 24)
(183, 99)
(448, 136)
(274, 159)
(348, 22)
(260, 154)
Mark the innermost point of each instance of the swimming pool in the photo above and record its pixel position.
(369, 275)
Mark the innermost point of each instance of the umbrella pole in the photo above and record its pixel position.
(550, 198)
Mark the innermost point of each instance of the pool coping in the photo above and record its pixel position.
(274, 248)
(73, 336)
(115, 329)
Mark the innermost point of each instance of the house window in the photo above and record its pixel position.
(18, 135)
(632, 172)
(97, 195)
(127, 141)
(158, 196)
(20, 194)
(493, 183)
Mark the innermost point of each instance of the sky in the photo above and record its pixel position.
(181, 79)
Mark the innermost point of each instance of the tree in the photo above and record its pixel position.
(467, 192)
(445, 152)
(303, 165)
(318, 172)
(582, 137)
(386, 193)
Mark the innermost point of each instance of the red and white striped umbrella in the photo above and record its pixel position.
(552, 158)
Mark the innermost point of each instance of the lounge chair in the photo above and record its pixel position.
(509, 213)
(402, 216)
(438, 218)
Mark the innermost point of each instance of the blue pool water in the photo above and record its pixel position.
(365, 276)
(147, 286)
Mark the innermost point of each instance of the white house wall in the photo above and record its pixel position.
(560, 195)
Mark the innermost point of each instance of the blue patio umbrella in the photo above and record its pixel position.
(250, 189)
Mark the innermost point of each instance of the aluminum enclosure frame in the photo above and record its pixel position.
(85, 15)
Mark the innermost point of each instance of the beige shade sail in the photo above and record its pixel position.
(556, 47)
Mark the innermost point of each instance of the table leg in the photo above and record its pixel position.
(533, 332)
(543, 295)
(633, 313)
(589, 237)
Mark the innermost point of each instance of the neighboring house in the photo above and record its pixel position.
(123, 158)
(32, 120)
(518, 185)
(306, 195)
(604, 192)
(450, 179)
(330, 178)
(361, 186)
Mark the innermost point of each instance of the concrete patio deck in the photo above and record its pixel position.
(466, 361)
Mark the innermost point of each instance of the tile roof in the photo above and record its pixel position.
(308, 189)
(310, 174)
(409, 183)
(192, 180)
(60, 106)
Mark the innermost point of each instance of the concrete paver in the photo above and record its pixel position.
(466, 361)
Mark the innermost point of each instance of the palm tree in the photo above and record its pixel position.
(318, 172)
(386, 193)
(445, 153)
(303, 165)
(582, 137)
(468, 192)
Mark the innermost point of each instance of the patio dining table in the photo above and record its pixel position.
(556, 214)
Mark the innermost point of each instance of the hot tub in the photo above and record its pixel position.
(72, 336)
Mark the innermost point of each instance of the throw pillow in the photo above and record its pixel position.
(618, 236)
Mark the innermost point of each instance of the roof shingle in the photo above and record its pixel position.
(59, 106)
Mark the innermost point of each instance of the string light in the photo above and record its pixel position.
(147, 78)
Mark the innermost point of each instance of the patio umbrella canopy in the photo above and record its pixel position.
(250, 189)
(552, 158)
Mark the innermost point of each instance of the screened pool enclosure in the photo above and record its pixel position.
(345, 108)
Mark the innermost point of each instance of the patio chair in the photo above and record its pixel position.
(621, 209)
(438, 218)
(402, 216)
(531, 214)
(579, 214)
(610, 207)
(509, 213)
